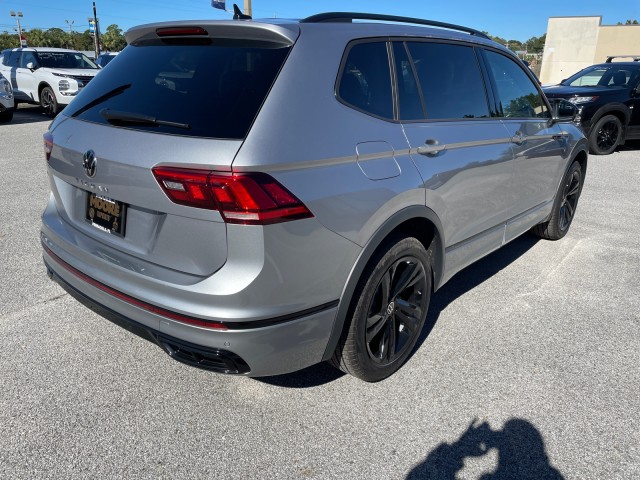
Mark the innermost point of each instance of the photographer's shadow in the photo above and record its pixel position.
(519, 445)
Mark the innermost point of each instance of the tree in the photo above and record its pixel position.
(57, 38)
(8, 40)
(629, 22)
(535, 44)
(113, 39)
(37, 38)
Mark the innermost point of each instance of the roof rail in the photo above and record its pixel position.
(349, 17)
(636, 58)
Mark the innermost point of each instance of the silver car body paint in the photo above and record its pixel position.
(359, 176)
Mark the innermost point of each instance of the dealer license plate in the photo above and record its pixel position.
(106, 214)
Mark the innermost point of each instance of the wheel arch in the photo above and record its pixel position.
(41, 86)
(417, 221)
(619, 110)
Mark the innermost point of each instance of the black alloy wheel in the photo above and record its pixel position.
(48, 102)
(388, 311)
(564, 206)
(570, 196)
(606, 135)
(396, 310)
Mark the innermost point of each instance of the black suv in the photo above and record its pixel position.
(608, 99)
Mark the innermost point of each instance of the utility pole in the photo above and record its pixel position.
(96, 36)
(69, 45)
(247, 7)
(18, 17)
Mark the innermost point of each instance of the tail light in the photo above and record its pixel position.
(48, 144)
(180, 31)
(245, 198)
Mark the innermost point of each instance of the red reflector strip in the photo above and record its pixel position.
(134, 301)
(180, 31)
(48, 144)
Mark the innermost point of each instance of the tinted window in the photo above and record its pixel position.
(28, 57)
(214, 89)
(517, 94)
(65, 60)
(410, 104)
(450, 79)
(10, 59)
(366, 79)
(604, 76)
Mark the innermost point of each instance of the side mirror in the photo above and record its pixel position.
(563, 111)
(32, 66)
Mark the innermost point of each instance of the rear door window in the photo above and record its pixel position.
(450, 79)
(365, 82)
(10, 59)
(409, 101)
(211, 90)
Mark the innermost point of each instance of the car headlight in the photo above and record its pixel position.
(63, 85)
(578, 100)
(5, 87)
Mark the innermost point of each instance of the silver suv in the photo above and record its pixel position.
(260, 196)
(51, 77)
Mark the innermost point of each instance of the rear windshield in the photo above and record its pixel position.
(209, 90)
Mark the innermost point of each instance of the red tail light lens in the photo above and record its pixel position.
(180, 31)
(245, 198)
(48, 145)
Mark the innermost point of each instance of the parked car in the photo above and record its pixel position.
(51, 77)
(104, 58)
(6, 100)
(260, 196)
(608, 98)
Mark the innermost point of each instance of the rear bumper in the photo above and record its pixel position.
(287, 345)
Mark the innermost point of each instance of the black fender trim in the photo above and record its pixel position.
(437, 247)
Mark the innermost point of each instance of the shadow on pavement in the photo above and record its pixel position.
(29, 114)
(312, 376)
(468, 279)
(629, 145)
(519, 445)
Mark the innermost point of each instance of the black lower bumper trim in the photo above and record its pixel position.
(214, 359)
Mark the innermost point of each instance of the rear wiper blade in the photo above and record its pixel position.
(116, 116)
(102, 98)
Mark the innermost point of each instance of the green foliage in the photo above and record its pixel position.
(112, 40)
(629, 22)
(533, 45)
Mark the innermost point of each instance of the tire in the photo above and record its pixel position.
(564, 206)
(48, 102)
(605, 135)
(388, 311)
(6, 116)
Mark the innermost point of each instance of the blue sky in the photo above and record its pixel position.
(510, 20)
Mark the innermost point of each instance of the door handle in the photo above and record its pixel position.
(518, 138)
(431, 148)
(561, 136)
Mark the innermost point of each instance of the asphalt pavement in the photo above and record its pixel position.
(529, 367)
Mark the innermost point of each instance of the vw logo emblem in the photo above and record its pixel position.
(89, 163)
(390, 308)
